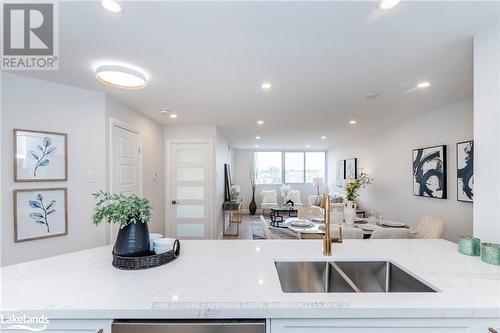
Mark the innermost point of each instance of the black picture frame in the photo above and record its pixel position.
(442, 175)
(466, 172)
(346, 174)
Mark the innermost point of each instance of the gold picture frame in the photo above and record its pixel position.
(28, 224)
(18, 178)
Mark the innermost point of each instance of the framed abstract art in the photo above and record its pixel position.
(40, 156)
(429, 172)
(351, 168)
(340, 173)
(465, 171)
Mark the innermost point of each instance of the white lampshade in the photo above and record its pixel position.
(318, 181)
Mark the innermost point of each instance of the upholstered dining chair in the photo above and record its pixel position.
(295, 197)
(269, 199)
(314, 200)
(390, 233)
(428, 227)
(347, 232)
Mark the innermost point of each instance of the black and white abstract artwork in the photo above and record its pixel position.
(340, 173)
(351, 168)
(429, 172)
(465, 171)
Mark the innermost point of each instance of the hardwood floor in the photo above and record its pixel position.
(245, 229)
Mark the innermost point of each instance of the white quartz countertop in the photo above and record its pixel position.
(238, 279)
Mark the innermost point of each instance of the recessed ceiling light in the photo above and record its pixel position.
(352, 122)
(265, 85)
(388, 4)
(308, 146)
(173, 116)
(323, 137)
(120, 77)
(163, 111)
(260, 122)
(257, 137)
(112, 6)
(256, 146)
(424, 84)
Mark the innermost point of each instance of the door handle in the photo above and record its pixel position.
(174, 202)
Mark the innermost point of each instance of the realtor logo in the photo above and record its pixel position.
(29, 36)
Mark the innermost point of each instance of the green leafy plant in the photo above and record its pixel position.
(352, 186)
(121, 209)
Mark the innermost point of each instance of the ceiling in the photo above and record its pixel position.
(205, 61)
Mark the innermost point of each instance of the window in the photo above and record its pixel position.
(294, 167)
(299, 167)
(315, 165)
(268, 167)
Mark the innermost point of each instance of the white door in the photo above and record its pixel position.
(189, 190)
(125, 163)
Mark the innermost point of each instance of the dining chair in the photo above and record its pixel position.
(269, 199)
(390, 233)
(304, 213)
(265, 228)
(428, 227)
(294, 195)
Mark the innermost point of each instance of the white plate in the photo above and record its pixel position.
(318, 219)
(301, 224)
(367, 227)
(393, 224)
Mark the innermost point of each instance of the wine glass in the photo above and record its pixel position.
(379, 215)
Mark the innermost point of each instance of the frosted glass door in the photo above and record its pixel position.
(189, 186)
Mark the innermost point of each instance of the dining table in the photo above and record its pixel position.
(316, 227)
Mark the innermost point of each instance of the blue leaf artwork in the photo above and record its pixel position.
(45, 149)
(42, 217)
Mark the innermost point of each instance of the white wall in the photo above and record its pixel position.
(241, 176)
(39, 105)
(151, 133)
(386, 156)
(487, 139)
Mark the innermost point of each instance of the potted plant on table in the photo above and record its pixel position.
(132, 214)
(352, 186)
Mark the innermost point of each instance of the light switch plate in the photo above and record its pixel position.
(91, 176)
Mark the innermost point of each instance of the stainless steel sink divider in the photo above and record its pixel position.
(345, 277)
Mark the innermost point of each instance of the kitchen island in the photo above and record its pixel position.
(223, 279)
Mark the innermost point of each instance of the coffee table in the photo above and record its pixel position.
(276, 218)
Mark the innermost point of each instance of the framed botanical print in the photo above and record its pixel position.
(40, 156)
(465, 171)
(429, 172)
(40, 213)
(351, 168)
(340, 173)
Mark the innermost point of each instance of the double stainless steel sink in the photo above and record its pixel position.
(346, 277)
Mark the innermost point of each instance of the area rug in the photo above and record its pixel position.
(278, 233)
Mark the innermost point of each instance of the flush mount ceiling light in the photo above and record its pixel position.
(120, 77)
(257, 137)
(388, 4)
(112, 6)
(265, 85)
(424, 84)
(260, 122)
(323, 137)
(352, 122)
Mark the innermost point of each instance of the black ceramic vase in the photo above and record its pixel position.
(133, 240)
(253, 206)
